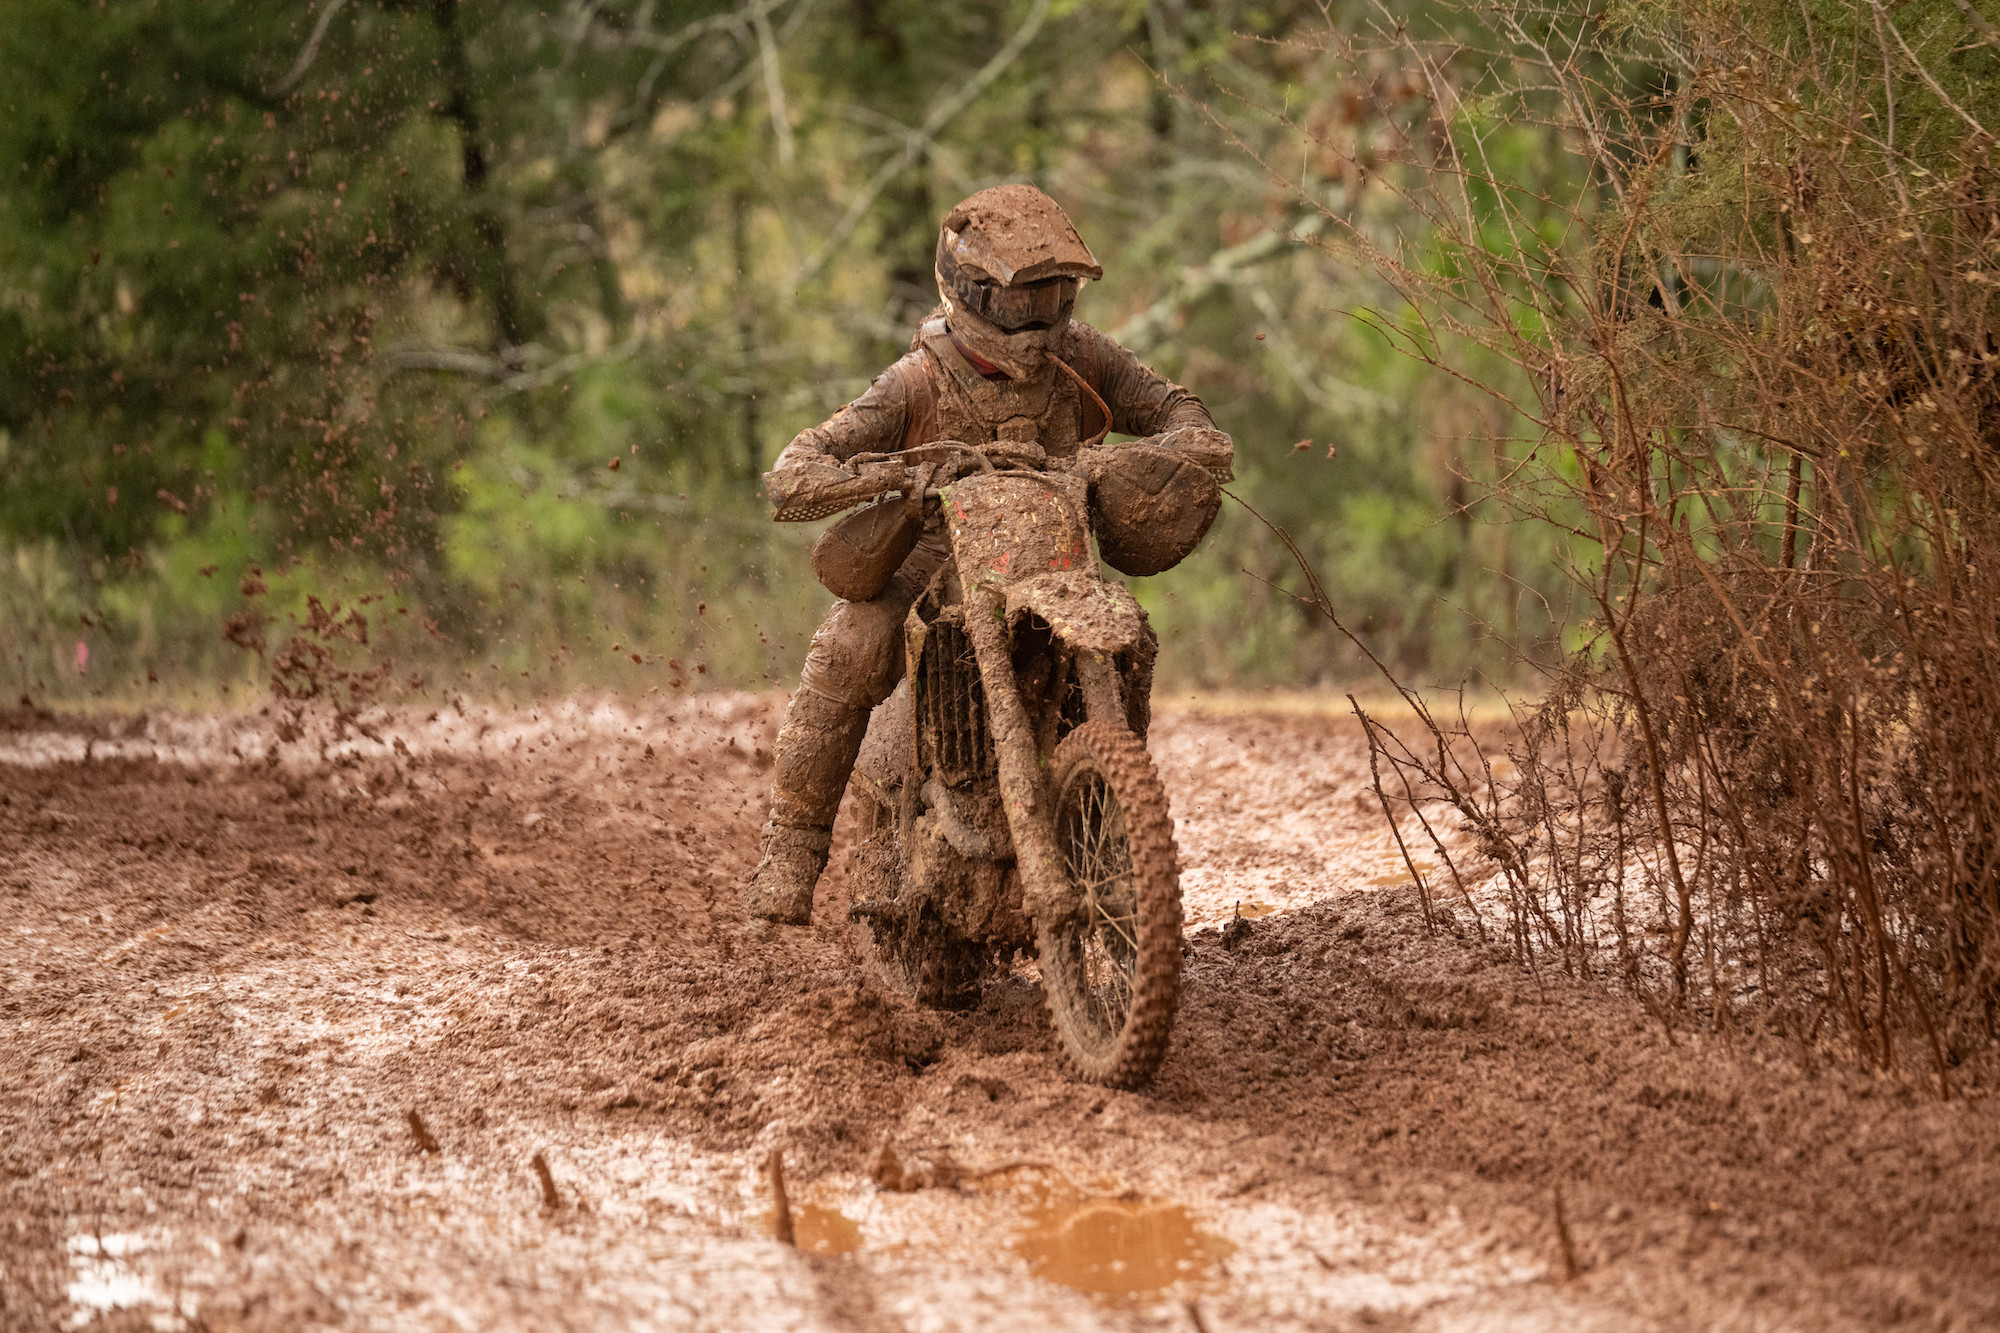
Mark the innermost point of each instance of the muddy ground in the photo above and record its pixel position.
(231, 969)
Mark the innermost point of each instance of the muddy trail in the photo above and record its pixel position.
(287, 1021)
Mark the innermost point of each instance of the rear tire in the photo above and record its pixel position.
(918, 958)
(915, 954)
(1112, 971)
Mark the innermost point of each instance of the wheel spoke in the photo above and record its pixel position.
(1110, 994)
(1107, 820)
(1093, 820)
(1131, 938)
(1094, 962)
(1091, 887)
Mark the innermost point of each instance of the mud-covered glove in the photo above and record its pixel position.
(1017, 453)
(1211, 450)
(815, 490)
(885, 475)
(1205, 446)
(1090, 463)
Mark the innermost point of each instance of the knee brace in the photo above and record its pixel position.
(856, 656)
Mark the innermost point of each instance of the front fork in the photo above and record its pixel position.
(1046, 893)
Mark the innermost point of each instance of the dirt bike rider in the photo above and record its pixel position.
(1000, 361)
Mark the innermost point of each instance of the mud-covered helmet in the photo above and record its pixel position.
(1011, 256)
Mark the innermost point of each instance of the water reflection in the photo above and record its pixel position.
(818, 1230)
(1116, 1247)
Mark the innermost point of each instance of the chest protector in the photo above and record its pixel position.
(965, 405)
(1149, 506)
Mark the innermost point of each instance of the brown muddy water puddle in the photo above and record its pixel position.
(819, 1230)
(1117, 1247)
(1113, 1246)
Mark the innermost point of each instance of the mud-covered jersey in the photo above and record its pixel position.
(935, 393)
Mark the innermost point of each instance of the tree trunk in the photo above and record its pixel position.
(493, 273)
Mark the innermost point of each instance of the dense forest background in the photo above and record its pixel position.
(1641, 356)
(478, 319)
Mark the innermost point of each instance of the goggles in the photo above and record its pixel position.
(1034, 305)
(1042, 304)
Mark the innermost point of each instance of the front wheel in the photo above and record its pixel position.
(1112, 967)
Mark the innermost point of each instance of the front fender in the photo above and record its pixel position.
(1086, 612)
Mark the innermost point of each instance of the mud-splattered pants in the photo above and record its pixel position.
(854, 663)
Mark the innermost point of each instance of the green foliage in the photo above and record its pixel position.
(1763, 384)
(367, 297)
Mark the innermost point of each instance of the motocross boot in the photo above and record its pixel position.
(815, 753)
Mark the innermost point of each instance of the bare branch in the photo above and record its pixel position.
(1924, 73)
(1987, 32)
(307, 55)
(1224, 268)
(510, 374)
(738, 21)
(774, 83)
(920, 138)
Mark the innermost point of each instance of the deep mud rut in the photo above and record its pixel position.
(227, 984)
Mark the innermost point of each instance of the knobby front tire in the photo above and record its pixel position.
(1112, 970)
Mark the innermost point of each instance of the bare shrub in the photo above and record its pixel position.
(1754, 348)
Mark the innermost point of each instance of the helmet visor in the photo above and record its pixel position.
(1033, 305)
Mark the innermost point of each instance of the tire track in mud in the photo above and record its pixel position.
(232, 967)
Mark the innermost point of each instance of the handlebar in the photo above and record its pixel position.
(1009, 454)
(926, 458)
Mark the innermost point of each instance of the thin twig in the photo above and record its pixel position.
(1571, 1270)
(426, 1141)
(919, 140)
(781, 1204)
(550, 1198)
(311, 50)
(774, 82)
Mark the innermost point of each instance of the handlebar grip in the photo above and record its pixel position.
(827, 501)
